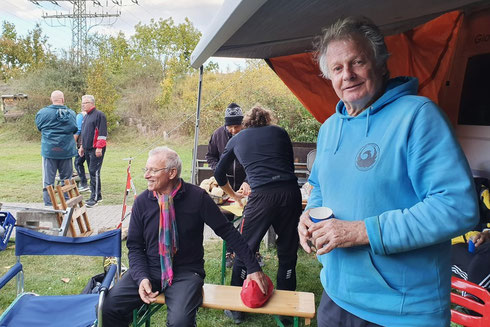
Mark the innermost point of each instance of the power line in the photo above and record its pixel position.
(80, 27)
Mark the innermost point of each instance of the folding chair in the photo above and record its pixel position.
(470, 303)
(79, 310)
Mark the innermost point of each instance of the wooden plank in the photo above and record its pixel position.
(286, 303)
(74, 201)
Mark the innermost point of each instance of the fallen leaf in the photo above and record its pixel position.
(65, 280)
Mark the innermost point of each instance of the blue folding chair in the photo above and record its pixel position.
(81, 310)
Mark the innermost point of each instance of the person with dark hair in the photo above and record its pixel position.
(57, 125)
(266, 153)
(235, 173)
(165, 246)
(382, 166)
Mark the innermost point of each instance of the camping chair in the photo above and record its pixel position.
(470, 303)
(310, 159)
(79, 310)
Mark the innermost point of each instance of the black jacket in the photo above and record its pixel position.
(265, 152)
(193, 208)
(94, 130)
(217, 143)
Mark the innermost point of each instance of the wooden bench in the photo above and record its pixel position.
(221, 297)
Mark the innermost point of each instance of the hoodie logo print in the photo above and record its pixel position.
(366, 157)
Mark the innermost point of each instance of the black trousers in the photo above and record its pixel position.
(230, 217)
(94, 164)
(281, 208)
(80, 167)
(474, 267)
(329, 314)
(182, 299)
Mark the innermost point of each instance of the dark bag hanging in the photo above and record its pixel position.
(93, 285)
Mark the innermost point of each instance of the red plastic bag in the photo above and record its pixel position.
(252, 296)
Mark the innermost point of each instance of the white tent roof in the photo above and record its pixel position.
(272, 28)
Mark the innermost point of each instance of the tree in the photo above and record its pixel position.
(100, 86)
(21, 54)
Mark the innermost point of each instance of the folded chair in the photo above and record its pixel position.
(79, 310)
(477, 312)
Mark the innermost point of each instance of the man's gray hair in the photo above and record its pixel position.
(89, 98)
(346, 29)
(172, 159)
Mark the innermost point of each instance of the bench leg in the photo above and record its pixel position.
(296, 321)
(143, 315)
(278, 321)
(223, 263)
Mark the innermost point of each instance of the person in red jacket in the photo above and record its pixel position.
(94, 135)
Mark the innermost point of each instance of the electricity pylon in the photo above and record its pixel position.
(79, 28)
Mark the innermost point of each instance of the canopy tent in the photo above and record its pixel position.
(422, 37)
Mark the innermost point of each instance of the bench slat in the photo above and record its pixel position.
(286, 303)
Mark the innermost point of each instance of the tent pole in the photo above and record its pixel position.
(196, 131)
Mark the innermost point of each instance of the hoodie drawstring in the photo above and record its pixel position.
(368, 114)
(340, 133)
(367, 120)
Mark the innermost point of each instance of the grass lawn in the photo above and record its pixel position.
(21, 177)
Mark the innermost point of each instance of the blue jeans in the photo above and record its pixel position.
(50, 167)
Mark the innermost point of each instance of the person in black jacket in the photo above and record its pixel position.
(219, 139)
(266, 153)
(94, 135)
(175, 267)
(235, 172)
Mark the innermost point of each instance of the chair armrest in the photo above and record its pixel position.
(104, 287)
(10, 274)
(106, 283)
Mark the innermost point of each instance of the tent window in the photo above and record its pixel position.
(474, 105)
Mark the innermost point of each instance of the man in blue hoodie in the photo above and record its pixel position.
(57, 125)
(399, 185)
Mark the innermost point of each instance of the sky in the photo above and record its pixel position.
(25, 14)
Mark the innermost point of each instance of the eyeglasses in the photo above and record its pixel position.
(152, 172)
(86, 102)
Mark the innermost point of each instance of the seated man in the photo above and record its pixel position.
(165, 242)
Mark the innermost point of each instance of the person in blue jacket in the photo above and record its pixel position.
(399, 185)
(79, 161)
(57, 125)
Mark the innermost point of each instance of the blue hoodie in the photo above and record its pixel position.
(57, 124)
(398, 167)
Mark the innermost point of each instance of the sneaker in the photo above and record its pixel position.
(91, 203)
(230, 259)
(260, 259)
(83, 188)
(236, 316)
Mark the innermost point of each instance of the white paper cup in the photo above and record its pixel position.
(320, 213)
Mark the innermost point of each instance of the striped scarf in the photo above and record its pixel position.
(168, 238)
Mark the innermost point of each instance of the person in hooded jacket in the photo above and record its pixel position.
(57, 124)
(399, 185)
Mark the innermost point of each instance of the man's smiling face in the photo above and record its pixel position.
(355, 77)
